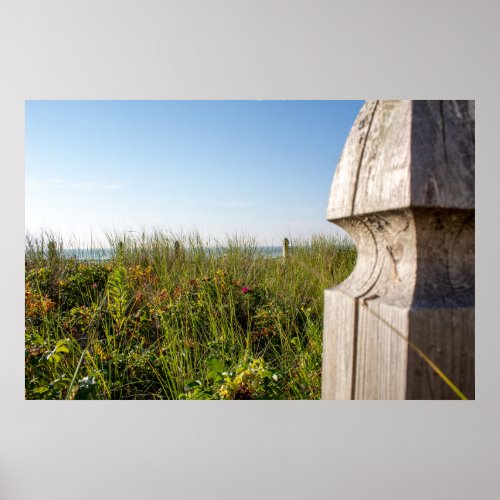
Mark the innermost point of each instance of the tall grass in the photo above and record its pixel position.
(160, 320)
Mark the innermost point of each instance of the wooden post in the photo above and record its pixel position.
(286, 248)
(404, 190)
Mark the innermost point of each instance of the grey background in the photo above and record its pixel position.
(269, 49)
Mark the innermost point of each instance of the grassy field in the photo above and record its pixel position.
(159, 322)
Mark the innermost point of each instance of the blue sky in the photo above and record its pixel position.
(256, 168)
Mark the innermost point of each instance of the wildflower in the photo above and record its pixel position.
(94, 285)
(245, 289)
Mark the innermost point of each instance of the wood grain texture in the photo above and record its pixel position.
(373, 171)
(338, 349)
(406, 153)
(447, 336)
(443, 154)
(404, 190)
(381, 365)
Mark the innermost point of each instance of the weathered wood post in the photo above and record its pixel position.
(286, 248)
(404, 190)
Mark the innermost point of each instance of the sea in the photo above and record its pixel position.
(103, 254)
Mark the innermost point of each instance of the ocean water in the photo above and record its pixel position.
(89, 254)
(101, 254)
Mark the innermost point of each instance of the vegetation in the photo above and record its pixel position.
(160, 320)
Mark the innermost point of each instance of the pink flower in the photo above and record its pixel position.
(245, 289)
(94, 285)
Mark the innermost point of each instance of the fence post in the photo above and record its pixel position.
(286, 248)
(404, 191)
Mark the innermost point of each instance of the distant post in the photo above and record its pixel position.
(286, 248)
(404, 190)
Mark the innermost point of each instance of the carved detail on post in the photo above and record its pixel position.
(404, 191)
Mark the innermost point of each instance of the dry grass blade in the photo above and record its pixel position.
(426, 358)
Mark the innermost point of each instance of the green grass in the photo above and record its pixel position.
(154, 322)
